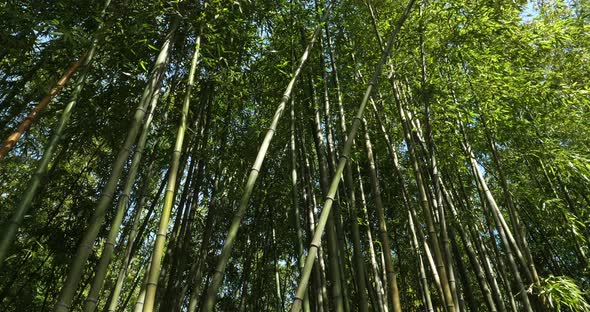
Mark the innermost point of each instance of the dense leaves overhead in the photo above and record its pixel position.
(466, 188)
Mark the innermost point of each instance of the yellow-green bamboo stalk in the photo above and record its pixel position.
(156, 262)
(109, 246)
(317, 237)
(85, 247)
(237, 219)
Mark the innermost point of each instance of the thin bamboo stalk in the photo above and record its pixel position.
(316, 241)
(253, 176)
(85, 247)
(156, 262)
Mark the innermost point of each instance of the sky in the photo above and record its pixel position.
(529, 12)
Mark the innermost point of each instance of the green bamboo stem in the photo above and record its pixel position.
(105, 258)
(408, 206)
(393, 291)
(323, 166)
(35, 183)
(196, 271)
(156, 262)
(319, 281)
(358, 257)
(317, 237)
(380, 301)
(111, 305)
(253, 176)
(296, 207)
(85, 247)
(502, 230)
(469, 248)
(426, 208)
(349, 182)
(436, 198)
(139, 303)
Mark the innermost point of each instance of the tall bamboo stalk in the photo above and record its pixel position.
(295, 199)
(426, 207)
(473, 259)
(24, 126)
(196, 271)
(502, 230)
(85, 247)
(392, 288)
(319, 280)
(42, 167)
(154, 271)
(379, 290)
(253, 176)
(323, 161)
(358, 257)
(407, 205)
(349, 182)
(111, 304)
(109, 245)
(316, 241)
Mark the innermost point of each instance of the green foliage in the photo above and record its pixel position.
(520, 86)
(563, 294)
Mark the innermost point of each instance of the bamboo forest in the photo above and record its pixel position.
(295, 155)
